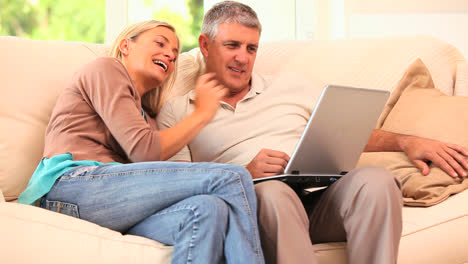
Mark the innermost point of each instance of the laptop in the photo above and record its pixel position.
(334, 137)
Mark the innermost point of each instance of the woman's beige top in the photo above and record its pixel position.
(99, 117)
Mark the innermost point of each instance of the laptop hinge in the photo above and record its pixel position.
(343, 172)
(295, 172)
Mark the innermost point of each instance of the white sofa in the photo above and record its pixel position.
(32, 74)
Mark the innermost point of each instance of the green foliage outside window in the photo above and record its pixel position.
(188, 28)
(82, 20)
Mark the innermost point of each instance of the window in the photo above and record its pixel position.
(85, 20)
(185, 15)
(82, 20)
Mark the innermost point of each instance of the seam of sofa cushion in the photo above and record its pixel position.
(331, 246)
(94, 51)
(434, 225)
(88, 48)
(87, 233)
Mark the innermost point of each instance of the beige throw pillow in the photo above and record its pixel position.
(422, 110)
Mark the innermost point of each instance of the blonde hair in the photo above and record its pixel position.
(151, 101)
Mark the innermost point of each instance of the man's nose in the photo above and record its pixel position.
(242, 57)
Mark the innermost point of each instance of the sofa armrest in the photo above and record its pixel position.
(2, 199)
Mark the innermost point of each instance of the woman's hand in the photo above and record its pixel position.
(209, 92)
(208, 95)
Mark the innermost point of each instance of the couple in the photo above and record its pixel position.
(102, 131)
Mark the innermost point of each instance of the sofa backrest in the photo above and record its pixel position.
(373, 63)
(33, 73)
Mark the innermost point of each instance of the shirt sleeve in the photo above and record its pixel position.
(166, 119)
(109, 90)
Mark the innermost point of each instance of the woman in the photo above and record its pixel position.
(100, 133)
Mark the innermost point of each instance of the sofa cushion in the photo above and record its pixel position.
(444, 225)
(461, 83)
(422, 110)
(190, 65)
(372, 63)
(33, 74)
(31, 234)
(367, 63)
(436, 234)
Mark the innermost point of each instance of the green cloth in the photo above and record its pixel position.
(47, 172)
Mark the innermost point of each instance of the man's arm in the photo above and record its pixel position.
(448, 157)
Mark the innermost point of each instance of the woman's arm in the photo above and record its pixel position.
(108, 89)
(208, 95)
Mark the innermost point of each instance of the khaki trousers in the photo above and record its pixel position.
(363, 208)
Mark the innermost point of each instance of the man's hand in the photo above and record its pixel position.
(448, 157)
(268, 163)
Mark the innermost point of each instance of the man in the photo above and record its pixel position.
(363, 207)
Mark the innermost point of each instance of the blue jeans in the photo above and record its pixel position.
(207, 211)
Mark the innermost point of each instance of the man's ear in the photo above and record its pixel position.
(204, 44)
(124, 46)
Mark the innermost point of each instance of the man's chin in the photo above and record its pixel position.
(237, 87)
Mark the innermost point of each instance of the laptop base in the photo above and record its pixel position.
(303, 181)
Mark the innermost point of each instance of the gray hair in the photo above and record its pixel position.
(229, 12)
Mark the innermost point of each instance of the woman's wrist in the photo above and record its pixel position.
(201, 116)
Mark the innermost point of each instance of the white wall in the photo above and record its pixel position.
(116, 18)
(297, 19)
(277, 17)
(443, 19)
(448, 27)
(407, 6)
(338, 19)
